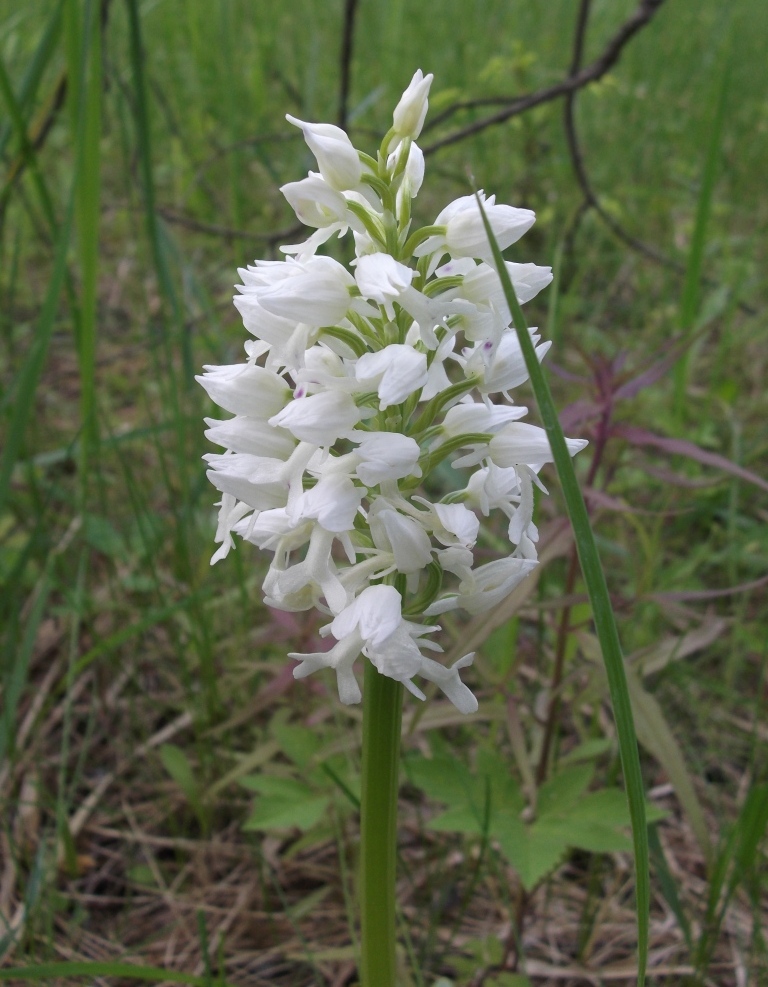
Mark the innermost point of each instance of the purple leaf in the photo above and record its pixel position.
(682, 447)
(689, 595)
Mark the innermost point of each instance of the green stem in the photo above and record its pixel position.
(382, 715)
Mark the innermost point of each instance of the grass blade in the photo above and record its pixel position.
(31, 80)
(689, 303)
(29, 375)
(605, 624)
(83, 48)
(129, 971)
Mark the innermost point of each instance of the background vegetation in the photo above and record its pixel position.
(170, 798)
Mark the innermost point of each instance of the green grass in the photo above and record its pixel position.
(113, 626)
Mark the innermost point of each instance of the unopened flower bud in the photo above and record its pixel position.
(408, 118)
(337, 159)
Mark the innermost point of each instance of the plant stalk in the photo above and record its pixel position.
(382, 716)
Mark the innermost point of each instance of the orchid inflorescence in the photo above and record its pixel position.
(358, 385)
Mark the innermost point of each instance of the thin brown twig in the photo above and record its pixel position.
(345, 72)
(590, 197)
(591, 200)
(644, 12)
(225, 231)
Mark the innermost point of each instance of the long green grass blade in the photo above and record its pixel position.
(129, 971)
(16, 679)
(29, 375)
(602, 611)
(144, 141)
(84, 74)
(26, 149)
(694, 269)
(32, 77)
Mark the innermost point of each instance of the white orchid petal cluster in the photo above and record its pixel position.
(361, 383)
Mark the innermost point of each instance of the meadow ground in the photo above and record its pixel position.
(146, 697)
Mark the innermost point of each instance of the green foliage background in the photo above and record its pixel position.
(142, 147)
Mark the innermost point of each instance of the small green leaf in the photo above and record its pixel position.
(177, 765)
(273, 812)
(299, 744)
(284, 788)
(590, 750)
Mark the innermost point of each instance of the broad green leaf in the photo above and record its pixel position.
(298, 743)
(506, 794)
(273, 812)
(590, 750)
(534, 854)
(441, 778)
(593, 836)
(561, 793)
(284, 788)
(607, 806)
(461, 819)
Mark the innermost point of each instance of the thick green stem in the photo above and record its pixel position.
(382, 716)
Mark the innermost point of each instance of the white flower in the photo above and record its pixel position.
(408, 118)
(259, 481)
(301, 586)
(355, 386)
(320, 418)
(450, 683)
(373, 624)
(482, 284)
(520, 443)
(315, 202)
(396, 371)
(458, 525)
(337, 159)
(244, 389)
(465, 235)
(375, 614)
(381, 278)
(486, 587)
(252, 435)
(386, 456)
(401, 535)
(474, 416)
(413, 175)
(502, 367)
(333, 502)
(316, 292)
